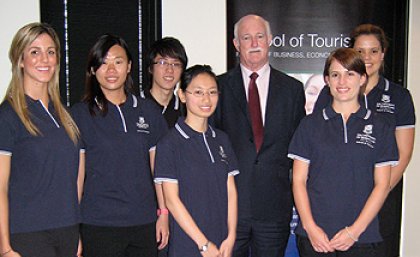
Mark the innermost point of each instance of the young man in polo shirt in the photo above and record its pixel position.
(167, 61)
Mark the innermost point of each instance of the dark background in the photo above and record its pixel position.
(138, 22)
(329, 18)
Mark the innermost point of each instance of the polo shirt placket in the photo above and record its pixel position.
(171, 112)
(396, 104)
(118, 187)
(200, 163)
(341, 157)
(386, 97)
(44, 168)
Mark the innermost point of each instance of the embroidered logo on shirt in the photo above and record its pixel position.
(366, 137)
(385, 105)
(386, 98)
(223, 155)
(142, 125)
(368, 129)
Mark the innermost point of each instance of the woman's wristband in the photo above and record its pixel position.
(162, 212)
(350, 235)
(204, 247)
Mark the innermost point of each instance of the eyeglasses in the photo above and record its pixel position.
(165, 64)
(202, 92)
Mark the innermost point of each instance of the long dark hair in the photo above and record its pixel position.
(93, 92)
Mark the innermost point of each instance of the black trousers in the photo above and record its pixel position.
(357, 250)
(135, 241)
(60, 242)
(261, 238)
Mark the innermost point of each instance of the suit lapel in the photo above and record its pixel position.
(272, 107)
(237, 87)
(274, 95)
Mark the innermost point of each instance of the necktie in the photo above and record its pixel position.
(255, 111)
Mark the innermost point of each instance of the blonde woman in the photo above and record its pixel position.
(39, 153)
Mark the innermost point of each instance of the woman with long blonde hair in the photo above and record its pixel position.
(39, 153)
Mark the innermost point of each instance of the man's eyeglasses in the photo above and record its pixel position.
(202, 92)
(165, 64)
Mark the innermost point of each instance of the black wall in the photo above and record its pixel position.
(138, 22)
(329, 18)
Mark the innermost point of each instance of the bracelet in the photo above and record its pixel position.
(162, 212)
(6, 252)
(350, 235)
(205, 247)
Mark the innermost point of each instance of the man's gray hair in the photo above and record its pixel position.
(238, 23)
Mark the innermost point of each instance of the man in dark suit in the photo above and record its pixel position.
(260, 125)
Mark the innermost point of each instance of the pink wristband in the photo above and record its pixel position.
(162, 212)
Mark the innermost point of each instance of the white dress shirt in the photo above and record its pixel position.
(262, 82)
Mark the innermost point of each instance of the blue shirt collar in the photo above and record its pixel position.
(187, 132)
(131, 100)
(329, 113)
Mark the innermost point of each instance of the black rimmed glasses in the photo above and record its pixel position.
(165, 64)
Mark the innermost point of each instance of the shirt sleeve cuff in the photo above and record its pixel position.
(7, 153)
(169, 180)
(233, 173)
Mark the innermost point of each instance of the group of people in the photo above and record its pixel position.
(204, 170)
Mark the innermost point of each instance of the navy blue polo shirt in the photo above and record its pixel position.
(386, 97)
(44, 169)
(171, 112)
(200, 164)
(341, 158)
(396, 104)
(119, 189)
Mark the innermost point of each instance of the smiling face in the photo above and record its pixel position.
(166, 72)
(200, 107)
(372, 53)
(252, 42)
(344, 84)
(39, 61)
(112, 74)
